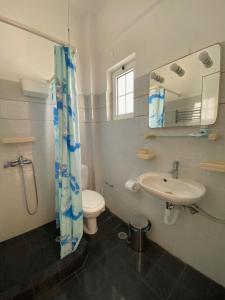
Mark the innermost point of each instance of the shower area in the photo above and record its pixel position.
(41, 222)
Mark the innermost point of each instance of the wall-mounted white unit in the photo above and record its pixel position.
(34, 88)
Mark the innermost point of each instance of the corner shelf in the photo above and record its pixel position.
(214, 166)
(16, 140)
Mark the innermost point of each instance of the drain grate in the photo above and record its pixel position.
(122, 235)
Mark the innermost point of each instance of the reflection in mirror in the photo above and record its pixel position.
(186, 92)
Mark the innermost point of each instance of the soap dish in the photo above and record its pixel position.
(18, 139)
(145, 154)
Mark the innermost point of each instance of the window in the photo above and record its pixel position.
(123, 92)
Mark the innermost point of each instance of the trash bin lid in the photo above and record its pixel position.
(139, 222)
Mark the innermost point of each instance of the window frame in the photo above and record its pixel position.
(122, 70)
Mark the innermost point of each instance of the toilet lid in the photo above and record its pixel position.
(91, 199)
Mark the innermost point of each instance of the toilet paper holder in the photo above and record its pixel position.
(132, 186)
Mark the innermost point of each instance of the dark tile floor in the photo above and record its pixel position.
(30, 263)
(27, 254)
(113, 271)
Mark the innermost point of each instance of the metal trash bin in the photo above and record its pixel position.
(138, 226)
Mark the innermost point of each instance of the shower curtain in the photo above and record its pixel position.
(68, 202)
(156, 103)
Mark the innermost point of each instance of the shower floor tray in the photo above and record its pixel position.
(30, 263)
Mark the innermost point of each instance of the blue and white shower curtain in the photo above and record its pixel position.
(156, 103)
(69, 214)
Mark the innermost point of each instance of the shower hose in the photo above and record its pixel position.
(22, 164)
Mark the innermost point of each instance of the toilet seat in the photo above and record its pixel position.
(92, 201)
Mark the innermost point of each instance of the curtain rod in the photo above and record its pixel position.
(34, 31)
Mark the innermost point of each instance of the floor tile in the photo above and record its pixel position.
(196, 282)
(144, 293)
(171, 264)
(182, 293)
(160, 281)
(140, 264)
(109, 292)
(104, 216)
(98, 247)
(107, 227)
(112, 270)
(216, 292)
(154, 251)
(50, 253)
(32, 259)
(91, 278)
(116, 257)
(120, 276)
(123, 280)
(67, 290)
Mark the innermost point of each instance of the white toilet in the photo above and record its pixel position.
(93, 204)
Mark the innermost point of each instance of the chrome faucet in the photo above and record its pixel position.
(175, 169)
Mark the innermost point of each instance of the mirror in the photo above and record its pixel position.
(186, 92)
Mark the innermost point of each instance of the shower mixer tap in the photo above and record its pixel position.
(19, 161)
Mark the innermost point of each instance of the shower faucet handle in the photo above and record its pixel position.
(19, 161)
(11, 163)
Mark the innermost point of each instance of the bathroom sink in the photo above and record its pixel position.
(176, 191)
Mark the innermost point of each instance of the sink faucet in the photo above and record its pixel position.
(175, 169)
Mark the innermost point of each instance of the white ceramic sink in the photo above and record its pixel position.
(176, 191)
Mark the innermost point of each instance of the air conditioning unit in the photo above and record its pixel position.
(34, 88)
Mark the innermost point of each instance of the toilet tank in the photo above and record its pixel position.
(84, 176)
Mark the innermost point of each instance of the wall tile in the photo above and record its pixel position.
(20, 110)
(141, 86)
(141, 106)
(23, 116)
(100, 115)
(42, 154)
(81, 101)
(101, 101)
(81, 115)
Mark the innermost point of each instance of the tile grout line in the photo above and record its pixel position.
(47, 103)
(176, 284)
(32, 120)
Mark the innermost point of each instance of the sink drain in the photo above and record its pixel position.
(122, 235)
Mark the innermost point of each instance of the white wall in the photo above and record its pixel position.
(25, 55)
(159, 32)
(23, 116)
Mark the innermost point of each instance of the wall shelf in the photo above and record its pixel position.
(211, 136)
(16, 140)
(145, 154)
(214, 166)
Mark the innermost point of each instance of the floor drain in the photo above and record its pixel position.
(122, 235)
